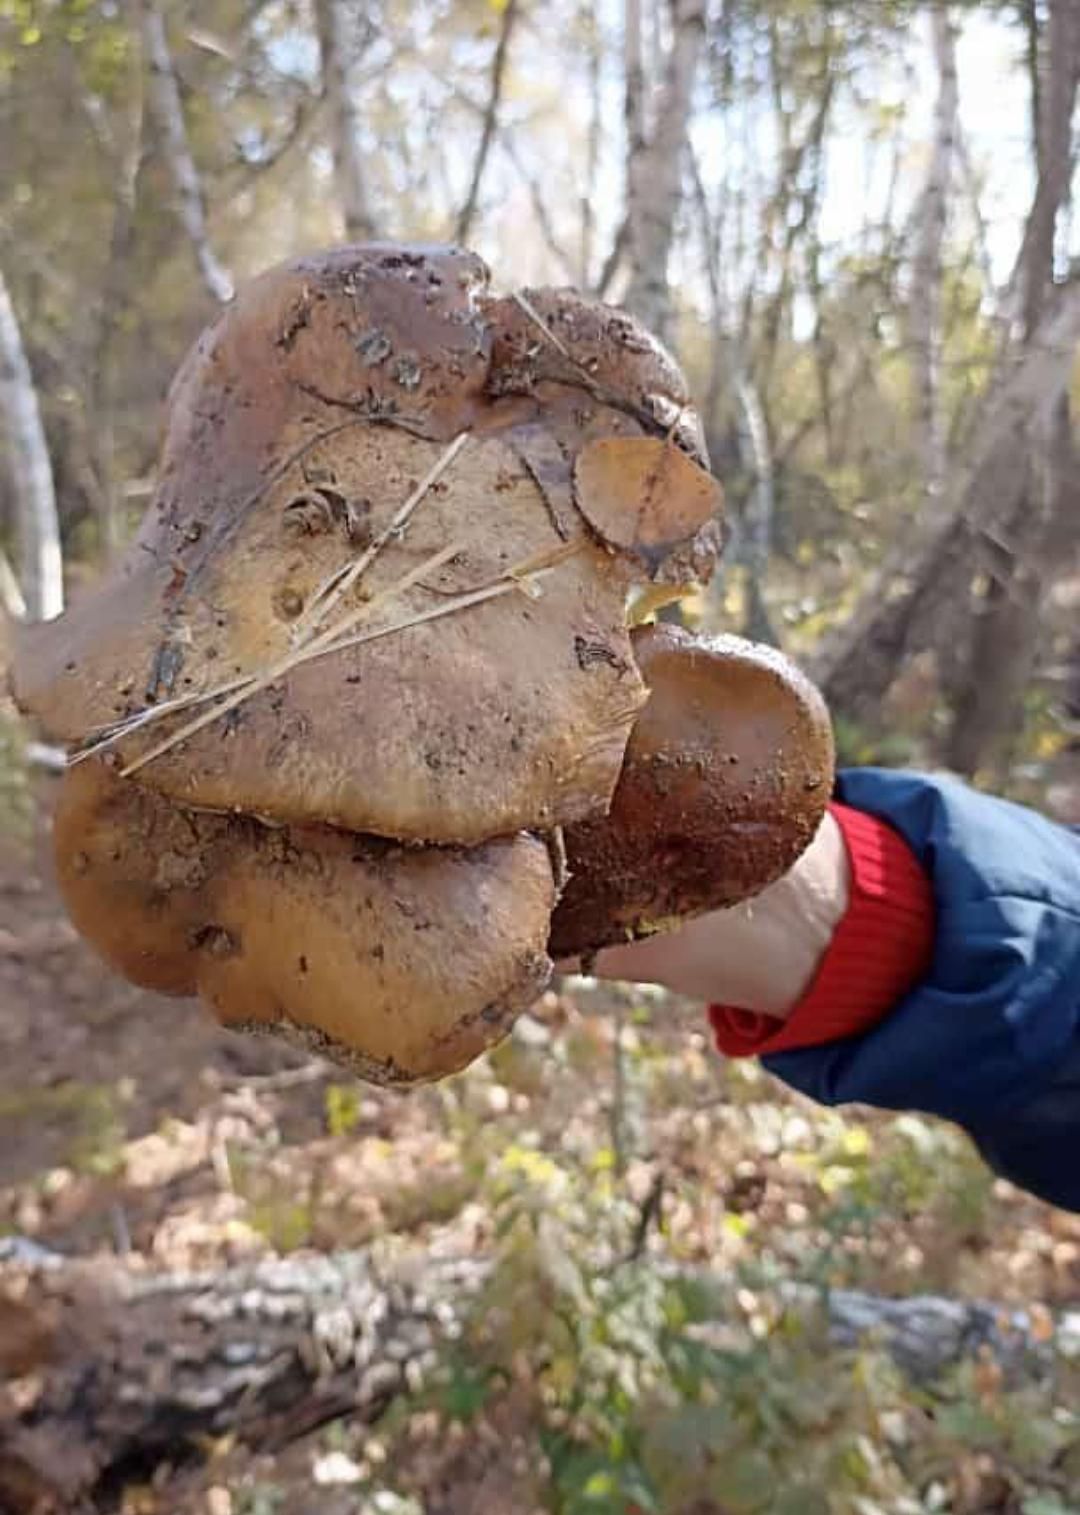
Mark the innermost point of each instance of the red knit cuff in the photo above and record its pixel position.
(880, 950)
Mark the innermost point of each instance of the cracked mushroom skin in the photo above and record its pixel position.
(402, 964)
(726, 778)
(303, 420)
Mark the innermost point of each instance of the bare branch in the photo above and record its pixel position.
(539, 204)
(592, 151)
(614, 260)
(491, 115)
(856, 666)
(1059, 69)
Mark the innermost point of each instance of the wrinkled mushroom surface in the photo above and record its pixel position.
(726, 778)
(403, 964)
(298, 427)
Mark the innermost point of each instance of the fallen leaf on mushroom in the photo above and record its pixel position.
(368, 663)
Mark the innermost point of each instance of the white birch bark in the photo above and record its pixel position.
(987, 488)
(167, 109)
(23, 436)
(757, 524)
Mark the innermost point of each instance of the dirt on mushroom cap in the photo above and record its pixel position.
(298, 425)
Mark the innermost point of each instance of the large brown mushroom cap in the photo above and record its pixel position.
(300, 424)
(402, 964)
(452, 731)
(727, 775)
(369, 656)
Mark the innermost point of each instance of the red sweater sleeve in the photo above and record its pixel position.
(880, 950)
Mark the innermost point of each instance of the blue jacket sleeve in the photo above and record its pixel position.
(991, 1038)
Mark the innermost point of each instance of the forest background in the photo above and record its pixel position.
(854, 222)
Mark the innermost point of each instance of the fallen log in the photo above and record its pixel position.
(107, 1371)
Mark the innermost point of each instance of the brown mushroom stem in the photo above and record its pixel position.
(727, 775)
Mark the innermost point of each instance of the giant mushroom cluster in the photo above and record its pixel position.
(360, 733)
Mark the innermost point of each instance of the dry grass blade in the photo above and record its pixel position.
(534, 315)
(236, 693)
(551, 557)
(460, 602)
(329, 594)
(105, 737)
(521, 574)
(520, 577)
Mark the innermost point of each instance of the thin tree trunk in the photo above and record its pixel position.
(101, 398)
(654, 166)
(778, 220)
(592, 151)
(336, 55)
(755, 539)
(614, 260)
(1058, 73)
(491, 116)
(753, 543)
(168, 111)
(23, 436)
(12, 602)
(924, 300)
(988, 723)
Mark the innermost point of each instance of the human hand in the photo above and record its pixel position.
(760, 954)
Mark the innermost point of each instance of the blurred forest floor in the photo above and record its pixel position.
(132, 1125)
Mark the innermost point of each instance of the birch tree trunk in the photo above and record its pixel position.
(755, 540)
(167, 110)
(337, 54)
(924, 301)
(115, 297)
(655, 159)
(986, 729)
(1056, 72)
(23, 437)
